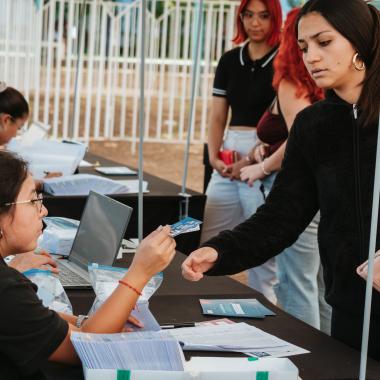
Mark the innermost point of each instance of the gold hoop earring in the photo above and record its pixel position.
(354, 62)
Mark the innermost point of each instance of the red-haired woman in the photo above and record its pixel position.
(242, 84)
(300, 290)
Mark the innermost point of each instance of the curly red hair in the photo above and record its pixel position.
(289, 65)
(274, 9)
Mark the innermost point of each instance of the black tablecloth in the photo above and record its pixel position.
(177, 300)
(161, 205)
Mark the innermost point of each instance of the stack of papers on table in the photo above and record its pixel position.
(115, 170)
(81, 184)
(133, 185)
(130, 351)
(239, 337)
(49, 156)
(247, 308)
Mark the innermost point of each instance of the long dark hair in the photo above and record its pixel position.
(13, 172)
(13, 103)
(359, 23)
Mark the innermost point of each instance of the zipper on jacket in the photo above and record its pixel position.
(358, 196)
(355, 111)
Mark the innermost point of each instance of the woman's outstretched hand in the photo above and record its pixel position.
(199, 262)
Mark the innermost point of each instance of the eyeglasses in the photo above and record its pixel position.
(38, 202)
(246, 16)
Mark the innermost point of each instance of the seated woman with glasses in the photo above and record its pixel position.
(31, 334)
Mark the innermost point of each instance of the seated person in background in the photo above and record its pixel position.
(14, 112)
(31, 334)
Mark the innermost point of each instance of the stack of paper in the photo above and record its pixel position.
(49, 156)
(115, 170)
(81, 184)
(239, 337)
(130, 351)
(133, 185)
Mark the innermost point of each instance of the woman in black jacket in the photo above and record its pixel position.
(329, 166)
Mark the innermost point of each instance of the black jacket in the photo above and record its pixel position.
(329, 166)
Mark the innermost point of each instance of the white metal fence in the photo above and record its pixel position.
(39, 50)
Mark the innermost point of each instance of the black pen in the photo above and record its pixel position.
(177, 325)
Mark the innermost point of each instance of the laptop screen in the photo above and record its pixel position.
(100, 232)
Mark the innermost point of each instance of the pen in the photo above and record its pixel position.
(177, 325)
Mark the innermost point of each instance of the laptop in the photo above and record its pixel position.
(98, 239)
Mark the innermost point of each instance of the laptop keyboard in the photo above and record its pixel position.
(70, 278)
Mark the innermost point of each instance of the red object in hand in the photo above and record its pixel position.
(228, 156)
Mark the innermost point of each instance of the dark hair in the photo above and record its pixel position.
(13, 172)
(13, 103)
(274, 9)
(359, 23)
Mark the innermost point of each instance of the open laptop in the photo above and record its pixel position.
(98, 239)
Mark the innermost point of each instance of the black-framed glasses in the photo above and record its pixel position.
(249, 16)
(38, 202)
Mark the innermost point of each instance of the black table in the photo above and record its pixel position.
(178, 300)
(161, 205)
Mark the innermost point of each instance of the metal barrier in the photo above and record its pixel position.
(40, 46)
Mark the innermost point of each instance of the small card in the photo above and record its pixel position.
(247, 308)
(115, 170)
(184, 226)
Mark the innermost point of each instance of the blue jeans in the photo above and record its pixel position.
(229, 203)
(300, 289)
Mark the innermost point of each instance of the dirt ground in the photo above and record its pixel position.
(163, 160)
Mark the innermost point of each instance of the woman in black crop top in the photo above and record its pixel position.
(300, 289)
(242, 86)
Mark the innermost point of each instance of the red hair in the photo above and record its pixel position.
(274, 9)
(289, 65)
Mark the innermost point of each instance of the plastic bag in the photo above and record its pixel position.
(105, 279)
(59, 235)
(50, 290)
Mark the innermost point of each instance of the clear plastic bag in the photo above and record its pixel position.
(59, 234)
(105, 279)
(50, 290)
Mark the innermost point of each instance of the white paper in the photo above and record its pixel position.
(131, 351)
(115, 170)
(133, 185)
(239, 337)
(49, 156)
(81, 184)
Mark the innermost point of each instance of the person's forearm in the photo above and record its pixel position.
(274, 162)
(114, 312)
(215, 140)
(288, 210)
(72, 319)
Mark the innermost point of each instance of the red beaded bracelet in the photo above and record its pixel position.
(130, 287)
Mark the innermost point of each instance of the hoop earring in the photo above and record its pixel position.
(355, 63)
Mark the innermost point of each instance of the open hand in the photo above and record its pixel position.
(30, 260)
